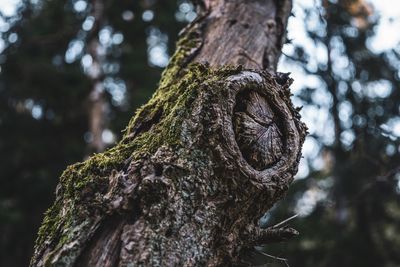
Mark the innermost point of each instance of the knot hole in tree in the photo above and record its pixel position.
(257, 129)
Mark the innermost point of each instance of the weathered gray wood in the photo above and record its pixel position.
(211, 152)
(248, 33)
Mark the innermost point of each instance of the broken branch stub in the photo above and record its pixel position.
(267, 133)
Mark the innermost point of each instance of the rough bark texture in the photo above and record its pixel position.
(248, 33)
(212, 151)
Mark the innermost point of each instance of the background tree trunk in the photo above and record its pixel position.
(97, 103)
(216, 146)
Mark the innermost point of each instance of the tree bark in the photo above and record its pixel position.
(216, 146)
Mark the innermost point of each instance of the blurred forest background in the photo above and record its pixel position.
(72, 73)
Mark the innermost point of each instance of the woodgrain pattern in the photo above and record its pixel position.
(248, 33)
(257, 131)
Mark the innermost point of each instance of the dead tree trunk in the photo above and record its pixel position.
(216, 146)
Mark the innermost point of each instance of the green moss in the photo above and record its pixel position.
(50, 223)
(185, 46)
(83, 185)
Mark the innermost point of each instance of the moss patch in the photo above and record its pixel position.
(83, 185)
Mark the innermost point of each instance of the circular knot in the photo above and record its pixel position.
(257, 130)
(262, 132)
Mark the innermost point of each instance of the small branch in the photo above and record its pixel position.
(256, 236)
(295, 59)
(284, 221)
(274, 257)
(271, 235)
(277, 233)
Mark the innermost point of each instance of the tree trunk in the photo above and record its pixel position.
(216, 146)
(97, 99)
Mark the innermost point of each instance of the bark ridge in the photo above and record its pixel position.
(179, 189)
